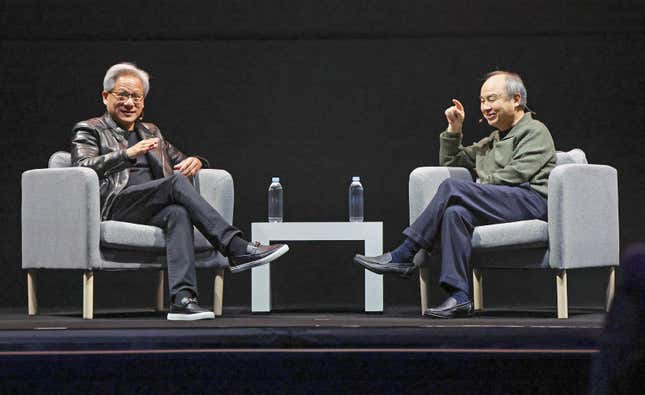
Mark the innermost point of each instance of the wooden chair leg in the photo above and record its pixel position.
(611, 287)
(160, 290)
(218, 300)
(32, 300)
(424, 277)
(561, 285)
(88, 295)
(478, 292)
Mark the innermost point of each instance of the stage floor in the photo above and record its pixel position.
(146, 329)
(233, 318)
(139, 351)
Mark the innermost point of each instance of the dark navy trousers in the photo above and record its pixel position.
(174, 205)
(456, 209)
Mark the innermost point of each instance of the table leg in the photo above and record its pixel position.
(261, 286)
(373, 281)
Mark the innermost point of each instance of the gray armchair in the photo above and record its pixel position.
(581, 232)
(62, 229)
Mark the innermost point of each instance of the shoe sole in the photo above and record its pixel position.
(408, 273)
(206, 315)
(262, 261)
(459, 314)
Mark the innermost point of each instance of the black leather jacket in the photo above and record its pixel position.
(100, 144)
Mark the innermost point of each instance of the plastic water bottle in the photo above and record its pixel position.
(356, 200)
(275, 200)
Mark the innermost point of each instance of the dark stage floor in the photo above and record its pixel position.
(400, 328)
(499, 351)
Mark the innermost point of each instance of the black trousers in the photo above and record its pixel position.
(456, 209)
(173, 204)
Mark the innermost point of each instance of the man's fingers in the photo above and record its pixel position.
(458, 104)
(181, 166)
(191, 169)
(151, 144)
(195, 164)
(453, 114)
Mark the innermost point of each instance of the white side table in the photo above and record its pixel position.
(370, 232)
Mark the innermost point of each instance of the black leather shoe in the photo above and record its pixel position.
(261, 255)
(188, 310)
(450, 309)
(383, 264)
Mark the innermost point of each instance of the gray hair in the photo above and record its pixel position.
(514, 85)
(120, 69)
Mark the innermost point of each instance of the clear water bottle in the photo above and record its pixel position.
(356, 200)
(275, 200)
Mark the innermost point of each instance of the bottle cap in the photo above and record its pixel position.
(356, 178)
(275, 179)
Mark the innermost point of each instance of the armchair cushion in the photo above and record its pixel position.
(531, 233)
(129, 236)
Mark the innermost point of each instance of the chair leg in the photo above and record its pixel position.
(563, 303)
(424, 277)
(478, 292)
(88, 295)
(160, 290)
(218, 300)
(32, 301)
(611, 287)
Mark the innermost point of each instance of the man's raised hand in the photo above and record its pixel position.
(142, 147)
(455, 115)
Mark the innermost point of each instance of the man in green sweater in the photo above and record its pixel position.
(512, 167)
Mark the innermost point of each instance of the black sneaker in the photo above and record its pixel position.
(188, 310)
(260, 255)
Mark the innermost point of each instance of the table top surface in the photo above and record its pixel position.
(318, 223)
(317, 230)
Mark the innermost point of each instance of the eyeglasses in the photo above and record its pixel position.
(490, 99)
(123, 97)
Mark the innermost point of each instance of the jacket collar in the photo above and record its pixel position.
(143, 131)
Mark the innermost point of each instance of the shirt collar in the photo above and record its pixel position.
(498, 135)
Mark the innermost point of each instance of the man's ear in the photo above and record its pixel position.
(517, 98)
(104, 95)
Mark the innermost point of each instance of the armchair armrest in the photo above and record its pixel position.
(60, 218)
(216, 186)
(424, 182)
(583, 216)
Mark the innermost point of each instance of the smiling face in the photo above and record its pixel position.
(499, 110)
(125, 112)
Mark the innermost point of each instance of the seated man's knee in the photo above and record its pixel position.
(177, 212)
(450, 185)
(456, 211)
(180, 180)
(453, 182)
(179, 177)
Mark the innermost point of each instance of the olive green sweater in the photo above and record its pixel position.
(526, 153)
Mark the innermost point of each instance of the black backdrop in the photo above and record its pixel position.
(316, 92)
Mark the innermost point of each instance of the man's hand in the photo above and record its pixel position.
(142, 147)
(189, 166)
(455, 116)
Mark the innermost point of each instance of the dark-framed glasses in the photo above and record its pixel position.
(124, 96)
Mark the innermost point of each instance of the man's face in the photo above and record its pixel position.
(125, 102)
(496, 107)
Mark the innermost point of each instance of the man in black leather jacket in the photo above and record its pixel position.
(135, 166)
